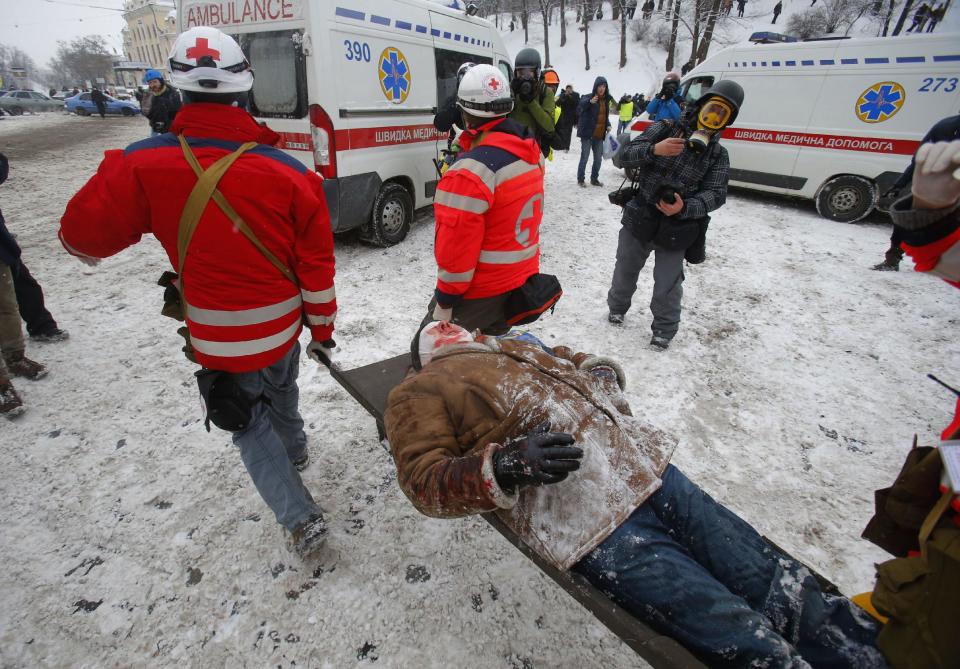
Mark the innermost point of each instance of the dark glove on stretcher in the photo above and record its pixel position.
(541, 457)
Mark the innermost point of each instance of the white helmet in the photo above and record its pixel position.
(206, 60)
(485, 92)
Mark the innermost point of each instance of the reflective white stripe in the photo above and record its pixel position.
(462, 202)
(72, 250)
(243, 316)
(508, 257)
(487, 176)
(319, 296)
(516, 169)
(236, 349)
(315, 319)
(453, 277)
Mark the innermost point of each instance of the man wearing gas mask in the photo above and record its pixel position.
(682, 172)
(533, 101)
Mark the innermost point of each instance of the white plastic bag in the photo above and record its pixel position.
(610, 145)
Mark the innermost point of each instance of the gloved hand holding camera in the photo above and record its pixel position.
(540, 458)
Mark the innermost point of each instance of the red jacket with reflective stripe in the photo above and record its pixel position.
(488, 209)
(242, 313)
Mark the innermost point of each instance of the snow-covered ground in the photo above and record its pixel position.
(134, 538)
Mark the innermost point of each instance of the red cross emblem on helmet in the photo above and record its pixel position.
(201, 49)
(492, 86)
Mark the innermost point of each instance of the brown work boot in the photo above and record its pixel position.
(11, 405)
(20, 365)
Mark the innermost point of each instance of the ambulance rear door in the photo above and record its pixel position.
(456, 41)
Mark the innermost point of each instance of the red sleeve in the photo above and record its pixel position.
(314, 262)
(108, 214)
(461, 202)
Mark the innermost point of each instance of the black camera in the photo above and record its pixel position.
(524, 88)
(667, 193)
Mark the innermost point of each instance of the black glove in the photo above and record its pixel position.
(525, 89)
(540, 458)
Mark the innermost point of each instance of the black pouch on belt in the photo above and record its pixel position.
(229, 407)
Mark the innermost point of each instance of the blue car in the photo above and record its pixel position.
(82, 105)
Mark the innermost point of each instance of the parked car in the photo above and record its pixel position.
(16, 103)
(82, 105)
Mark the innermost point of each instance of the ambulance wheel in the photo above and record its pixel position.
(846, 198)
(392, 215)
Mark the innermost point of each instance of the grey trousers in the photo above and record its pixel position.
(275, 438)
(668, 277)
(11, 334)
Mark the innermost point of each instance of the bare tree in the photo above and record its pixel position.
(671, 49)
(545, 6)
(14, 59)
(85, 58)
(704, 45)
(587, 13)
(622, 4)
(563, 23)
(903, 17)
(525, 20)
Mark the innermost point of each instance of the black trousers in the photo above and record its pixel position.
(30, 300)
(101, 108)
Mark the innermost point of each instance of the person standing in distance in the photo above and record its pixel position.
(245, 297)
(488, 209)
(160, 103)
(593, 122)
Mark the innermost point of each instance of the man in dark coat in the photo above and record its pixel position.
(100, 100)
(160, 103)
(682, 176)
(593, 122)
(567, 101)
(777, 8)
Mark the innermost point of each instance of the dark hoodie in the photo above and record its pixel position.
(590, 111)
(9, 250)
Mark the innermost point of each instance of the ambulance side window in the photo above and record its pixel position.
(448, 62)
(506, 69)
(694, 88)
(280, 87)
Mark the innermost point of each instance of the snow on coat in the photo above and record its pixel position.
(445, 423)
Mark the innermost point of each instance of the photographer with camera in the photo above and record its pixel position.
(682, 172)
(533, 100)
(667, 105)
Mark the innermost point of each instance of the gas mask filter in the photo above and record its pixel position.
(714, 116)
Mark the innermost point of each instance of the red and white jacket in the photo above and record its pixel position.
(488, 209)
(242, 312)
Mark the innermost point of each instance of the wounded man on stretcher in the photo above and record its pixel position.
(486, 424)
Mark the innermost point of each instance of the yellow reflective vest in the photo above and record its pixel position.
(626, 111)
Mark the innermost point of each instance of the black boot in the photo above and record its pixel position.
(891, 260)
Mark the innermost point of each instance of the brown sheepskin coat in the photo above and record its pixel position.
(445, 422)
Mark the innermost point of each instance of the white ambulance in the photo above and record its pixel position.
(352, 87)
(836, 121)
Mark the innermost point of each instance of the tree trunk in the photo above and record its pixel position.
(545, 12)
(673, 35)
(615, 9)
(708, 33)
(623, 39)
(698, 11)
(525, 21)
(903, 17)
(659, 5)
(586, 34)
(886, 19)
(563, 23)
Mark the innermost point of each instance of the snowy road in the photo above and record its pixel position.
(134, 538)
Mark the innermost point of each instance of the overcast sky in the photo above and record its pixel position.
(36, 25)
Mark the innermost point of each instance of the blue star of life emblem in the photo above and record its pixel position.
(394, 75)
(880, 102)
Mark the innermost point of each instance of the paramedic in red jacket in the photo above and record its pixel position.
(243, 314)
(487, 208)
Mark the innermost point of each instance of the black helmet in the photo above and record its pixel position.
(671, 77)
(727, 89)
(528, 58)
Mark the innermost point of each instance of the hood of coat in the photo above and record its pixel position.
(513, 137)
(596, 84)
(207, 119)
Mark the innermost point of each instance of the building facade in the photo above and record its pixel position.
(150, 33)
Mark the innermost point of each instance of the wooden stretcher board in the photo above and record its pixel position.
(370, 385)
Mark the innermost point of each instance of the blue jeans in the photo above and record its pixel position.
(695, 571)
(586, 146)
(275, 438)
